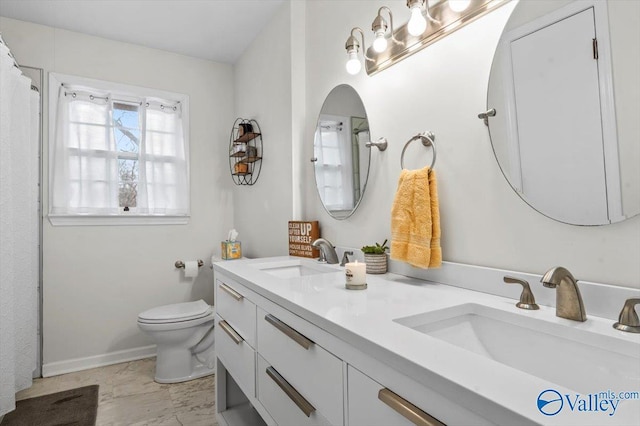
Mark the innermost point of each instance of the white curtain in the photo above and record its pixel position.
(19, 146)
(334, 166)
(84, 168)
(164, 174)
(84, 163)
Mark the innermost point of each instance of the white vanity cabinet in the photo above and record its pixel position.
(292, 372)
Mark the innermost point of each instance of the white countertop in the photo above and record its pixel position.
(365, 319)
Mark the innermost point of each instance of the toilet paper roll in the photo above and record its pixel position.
(191, 268)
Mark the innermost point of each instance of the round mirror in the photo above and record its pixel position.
(564, 84)
(340, 156)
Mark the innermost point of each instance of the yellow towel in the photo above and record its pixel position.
(415, 220)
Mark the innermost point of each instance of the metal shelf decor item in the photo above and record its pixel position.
(245, 151)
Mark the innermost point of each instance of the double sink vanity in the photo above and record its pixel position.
(294, 347)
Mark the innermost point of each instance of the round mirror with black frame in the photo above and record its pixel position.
(564, 84)
(340, 156)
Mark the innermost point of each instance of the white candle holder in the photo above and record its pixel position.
(355, 276)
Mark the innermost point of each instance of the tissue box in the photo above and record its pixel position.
(231, 250)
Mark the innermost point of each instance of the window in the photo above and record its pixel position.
(118, 154)
(333, 151)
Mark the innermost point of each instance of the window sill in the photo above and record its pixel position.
(117, 220)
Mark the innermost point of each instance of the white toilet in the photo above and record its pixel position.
(183, 333)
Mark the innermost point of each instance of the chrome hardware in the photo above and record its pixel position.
(327, 251)
(485, 115)
(345, 257)
(293, 394)
(569, 303)
(381, 144)
(231, 291)
(289, 332)
(230, 331)
(407, 409)
(527, 301)
(180, 264)
(628, 320)
(428, 139)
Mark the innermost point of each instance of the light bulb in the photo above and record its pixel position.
(380, 42)
(353, 64)
(459, 5)
(417, 24)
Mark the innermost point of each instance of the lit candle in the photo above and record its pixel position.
(356, 275)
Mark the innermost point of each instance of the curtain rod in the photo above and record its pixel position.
(106, 98)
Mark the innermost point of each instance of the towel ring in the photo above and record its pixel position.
(428, 140)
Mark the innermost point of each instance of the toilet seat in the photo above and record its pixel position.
(177, 312)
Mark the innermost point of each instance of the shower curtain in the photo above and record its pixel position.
(19, 267)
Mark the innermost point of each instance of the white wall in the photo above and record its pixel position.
(97, 279)
(442, 88)
(263, 82)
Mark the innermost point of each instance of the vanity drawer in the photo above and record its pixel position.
(236, 355)
(283, 401)
(371, 404)
(309, 368)
(236, 309)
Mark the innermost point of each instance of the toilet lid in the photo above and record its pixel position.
(176, 312)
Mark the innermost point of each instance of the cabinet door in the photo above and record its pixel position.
(315, 372)
(236, 309)
(371, 404)
(283, 401)
(236, 355)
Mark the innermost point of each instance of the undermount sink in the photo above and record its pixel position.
(575, 358)
(294, 268)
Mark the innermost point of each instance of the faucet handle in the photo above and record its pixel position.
(527, 301)
(345, 257)
(628, 319)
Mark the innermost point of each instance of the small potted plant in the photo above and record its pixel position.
(376, 258)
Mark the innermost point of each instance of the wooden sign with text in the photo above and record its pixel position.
(301, 235)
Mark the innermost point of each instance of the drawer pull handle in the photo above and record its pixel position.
(290, 332)
(407, 409)
(293, 394)
(231, 292)
(231, 332)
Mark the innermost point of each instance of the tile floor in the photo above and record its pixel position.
(129, 396)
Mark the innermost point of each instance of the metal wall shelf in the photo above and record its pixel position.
(245, 151)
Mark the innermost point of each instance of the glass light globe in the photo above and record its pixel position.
(380, 42)
(353, 64)
(459, 5)
(417, 24)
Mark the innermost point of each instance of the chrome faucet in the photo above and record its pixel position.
(345, 257)
(327, 251)
(568, 299)
(628, 319)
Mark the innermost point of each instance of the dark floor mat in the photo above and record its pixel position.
(74, 407)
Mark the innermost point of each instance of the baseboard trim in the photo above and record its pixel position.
(79, 364)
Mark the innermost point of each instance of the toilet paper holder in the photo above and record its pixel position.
(180, 263)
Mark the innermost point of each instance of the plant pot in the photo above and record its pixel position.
(376, 263)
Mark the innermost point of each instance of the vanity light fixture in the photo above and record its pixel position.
(379, 28)
(417, 24)
(459, 5)
(353, 47)
(427, 24)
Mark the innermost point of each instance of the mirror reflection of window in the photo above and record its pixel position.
(334, 153)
